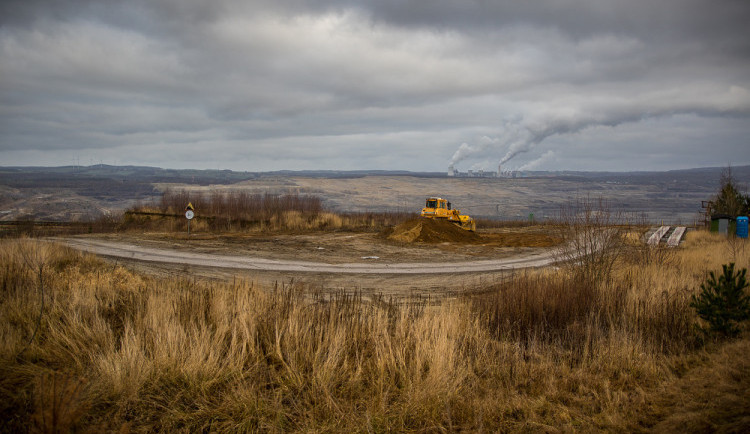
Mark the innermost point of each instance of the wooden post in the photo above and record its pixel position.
(189, 214)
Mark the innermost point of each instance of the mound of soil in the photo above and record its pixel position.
(430, 231)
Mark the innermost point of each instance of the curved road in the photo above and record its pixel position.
(148, 254)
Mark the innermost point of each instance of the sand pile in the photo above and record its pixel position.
(430, 231)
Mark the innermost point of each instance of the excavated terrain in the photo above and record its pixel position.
(432, 231)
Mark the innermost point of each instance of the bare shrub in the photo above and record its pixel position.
(637, 251)
(238, 211)
(592, 239)
(227, 211)
(735, 246)
(239, 205)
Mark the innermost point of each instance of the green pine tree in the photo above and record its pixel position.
(729, 200)
(722, 302)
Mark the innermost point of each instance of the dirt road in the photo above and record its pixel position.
(246, 262)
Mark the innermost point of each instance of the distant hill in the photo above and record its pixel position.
(40, 176)
(88, 192)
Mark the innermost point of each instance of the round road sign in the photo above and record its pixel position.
(189, 214)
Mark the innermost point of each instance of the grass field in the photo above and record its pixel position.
(86, 345)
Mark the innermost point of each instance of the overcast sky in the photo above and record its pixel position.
(380, 84)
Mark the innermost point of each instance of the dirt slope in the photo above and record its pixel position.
(422, 230)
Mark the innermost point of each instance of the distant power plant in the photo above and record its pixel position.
(482, 174)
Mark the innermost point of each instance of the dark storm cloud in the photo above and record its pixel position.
(320, 84)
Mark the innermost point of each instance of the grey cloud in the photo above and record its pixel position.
(523, 135)
(243, 77)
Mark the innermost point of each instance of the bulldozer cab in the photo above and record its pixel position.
(436, 202)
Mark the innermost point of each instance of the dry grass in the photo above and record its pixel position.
(121, 351)
(714, 396)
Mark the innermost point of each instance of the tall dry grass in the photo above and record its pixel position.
(117, 350)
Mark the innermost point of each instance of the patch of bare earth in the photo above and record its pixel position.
(435, 242)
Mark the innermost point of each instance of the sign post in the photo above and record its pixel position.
(189, 214)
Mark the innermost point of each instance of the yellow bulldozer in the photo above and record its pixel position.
(439, 208)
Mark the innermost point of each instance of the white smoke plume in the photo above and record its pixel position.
(523, 135)
(466, 150)
(544, 158)
(533, 133)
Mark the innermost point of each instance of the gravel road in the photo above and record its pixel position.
(366, 266)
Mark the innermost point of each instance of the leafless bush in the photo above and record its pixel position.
(239, 205)
(735, 246)
(236, 211)
(592, 239)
